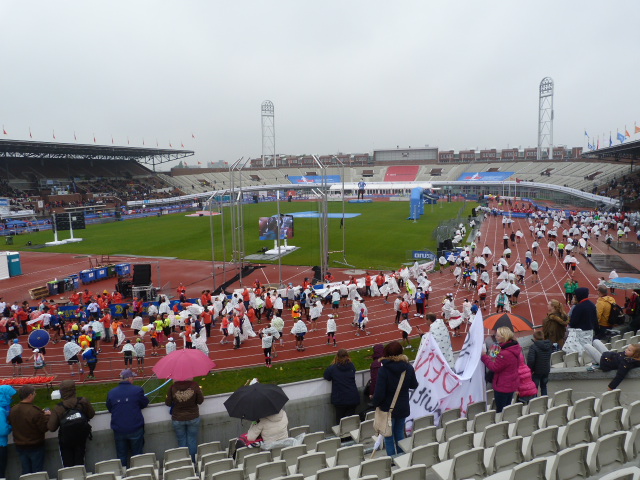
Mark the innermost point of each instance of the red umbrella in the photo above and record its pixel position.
(511, 320)
(184, 365)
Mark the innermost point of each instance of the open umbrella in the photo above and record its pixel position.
(38, 338)
(624, 283)
(183, 365)
(253, 402)
(511, 320)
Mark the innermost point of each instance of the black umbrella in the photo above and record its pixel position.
(253, 402)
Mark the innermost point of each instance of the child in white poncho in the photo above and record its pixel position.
(331, 330)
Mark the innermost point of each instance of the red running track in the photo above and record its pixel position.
(39, 267)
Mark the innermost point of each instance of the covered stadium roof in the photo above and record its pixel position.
(74, 151)
(626, 150)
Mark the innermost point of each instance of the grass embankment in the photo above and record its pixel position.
(229, 380)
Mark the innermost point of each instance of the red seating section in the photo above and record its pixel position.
(407, 173)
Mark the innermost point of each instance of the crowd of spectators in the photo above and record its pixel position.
(626, 188)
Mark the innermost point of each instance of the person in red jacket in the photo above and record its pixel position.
(504, 365)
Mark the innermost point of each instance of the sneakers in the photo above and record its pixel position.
(357, 334)
(593, 367)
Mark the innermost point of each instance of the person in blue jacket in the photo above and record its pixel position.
(125, 402)
(344, 392)
(394, 363)
(6, 392)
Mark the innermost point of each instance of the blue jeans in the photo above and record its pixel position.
(31, 458)
(541, 381)
(187, 434)
(502, 400)
(397, 434)
(126, 442)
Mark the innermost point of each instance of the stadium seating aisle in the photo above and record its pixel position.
(549, 438)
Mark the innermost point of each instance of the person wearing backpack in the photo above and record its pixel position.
(71, 419)
(604, 308)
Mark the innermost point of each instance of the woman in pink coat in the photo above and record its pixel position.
(504, 364)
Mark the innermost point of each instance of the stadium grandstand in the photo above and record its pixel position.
(570, 176)
(47, 177)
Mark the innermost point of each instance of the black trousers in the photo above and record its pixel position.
(72, 451)
(344, 411)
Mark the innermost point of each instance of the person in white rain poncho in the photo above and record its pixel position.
(392, 284)
(171, 345)
(164, 306)
(512, 291)
(502, 302)
(466, 311)
(247, 329)
(441, 335)
(136, 325)
(140, 351)
(299, 330)
(344, 293)
(332, 328)
(612, 276)
(455, 321)
(128, 351)
(457, 274)
(314, 313)
(70, 351)
(448, 306)
(14, 356)
(405, 328)
(267, 344)
(486, 252)
(152, 311)
(355, 308)
(200, 342)
(278, 323)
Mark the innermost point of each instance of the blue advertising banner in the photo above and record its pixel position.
(117, 309)
(484, 176)
(423, 255)
(314, 179)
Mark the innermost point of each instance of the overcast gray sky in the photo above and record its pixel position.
(349, 76)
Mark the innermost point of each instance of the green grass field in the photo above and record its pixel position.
(379, 238)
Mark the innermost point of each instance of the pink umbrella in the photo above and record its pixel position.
(183, 365)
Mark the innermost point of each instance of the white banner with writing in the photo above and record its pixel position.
(441, 388)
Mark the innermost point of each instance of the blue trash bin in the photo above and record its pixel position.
(87, 276)
(53, 287)
(101, 273)
(76, 281)
(123, 269)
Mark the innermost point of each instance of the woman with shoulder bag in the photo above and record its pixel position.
(391, 398)
(504, 365)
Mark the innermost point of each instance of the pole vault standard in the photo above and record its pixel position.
(344, 223)
(324, 218)
(237, 214)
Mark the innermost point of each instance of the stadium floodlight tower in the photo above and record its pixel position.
(268, 134)
(545, 118)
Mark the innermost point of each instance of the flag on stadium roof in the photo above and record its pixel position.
(637, 128)
(610, 140)
(4, 131)
(621, 137)
(626, 132)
